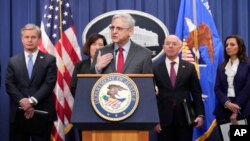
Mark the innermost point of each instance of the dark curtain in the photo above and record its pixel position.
(231, 17)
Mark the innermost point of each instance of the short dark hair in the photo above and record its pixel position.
(90, 40)
(242, 56)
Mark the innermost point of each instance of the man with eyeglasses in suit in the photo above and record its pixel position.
(135, 58)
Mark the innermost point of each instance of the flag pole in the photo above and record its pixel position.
(61, 34)
(69, 126)
(196, 44)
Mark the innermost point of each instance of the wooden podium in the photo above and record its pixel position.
(115, 135)
(133, 128)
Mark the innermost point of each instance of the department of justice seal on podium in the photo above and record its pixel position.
(115, 97)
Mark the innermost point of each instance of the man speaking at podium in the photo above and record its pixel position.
(123, 55)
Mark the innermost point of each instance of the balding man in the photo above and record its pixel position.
(176, 80)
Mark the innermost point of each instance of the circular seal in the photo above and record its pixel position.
(149, 31)
(115, 97)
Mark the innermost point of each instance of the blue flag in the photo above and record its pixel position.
(203, 47)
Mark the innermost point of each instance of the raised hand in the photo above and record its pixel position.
(103, 60)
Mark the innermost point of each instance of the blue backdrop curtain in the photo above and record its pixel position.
(231, 17)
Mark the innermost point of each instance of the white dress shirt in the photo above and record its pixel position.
(176, 65)
(34, 55)
(230, 71)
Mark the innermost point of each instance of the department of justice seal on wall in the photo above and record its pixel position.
(115, 97)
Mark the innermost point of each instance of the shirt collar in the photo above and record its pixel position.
(126, 47)
(176, 60)
(233, 66)
(34, 54)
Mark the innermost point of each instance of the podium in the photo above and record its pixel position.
(133, 128)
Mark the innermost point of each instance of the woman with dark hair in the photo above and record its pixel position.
(93, 42)
(232, 87)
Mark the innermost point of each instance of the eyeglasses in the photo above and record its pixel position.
(119, 29)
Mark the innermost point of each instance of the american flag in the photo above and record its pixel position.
(112, 102)
(59, 39)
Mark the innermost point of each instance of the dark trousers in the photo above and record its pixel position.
(173, 133)
(17, 135)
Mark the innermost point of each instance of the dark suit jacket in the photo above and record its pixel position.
(138, 61)
(171, 110)
(40, 86)
(80, 67)
(241, 87)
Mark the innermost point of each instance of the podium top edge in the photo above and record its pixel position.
(129, 75)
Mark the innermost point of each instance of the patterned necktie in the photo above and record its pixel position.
(120, 60)
(172, 74)
(30, 65)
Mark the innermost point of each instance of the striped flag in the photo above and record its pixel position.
(112, 102)
(59, 39)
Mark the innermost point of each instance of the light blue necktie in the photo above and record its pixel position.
(30, 65)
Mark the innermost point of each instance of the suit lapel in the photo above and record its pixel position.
(38, 62)
(165, 76)
(239, 73)
(239, 69)
(131, 54)
(181, 70)
(112, 63)
(24, 68)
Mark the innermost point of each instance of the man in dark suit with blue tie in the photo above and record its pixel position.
(123, 55)
(176, 80)
(30, 79)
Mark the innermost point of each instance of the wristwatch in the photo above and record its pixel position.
(31, 101)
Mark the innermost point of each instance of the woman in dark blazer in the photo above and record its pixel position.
(232, 86)
(94, 42)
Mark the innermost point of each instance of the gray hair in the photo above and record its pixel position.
(31, 27)
(128, 19)
(179, 40)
